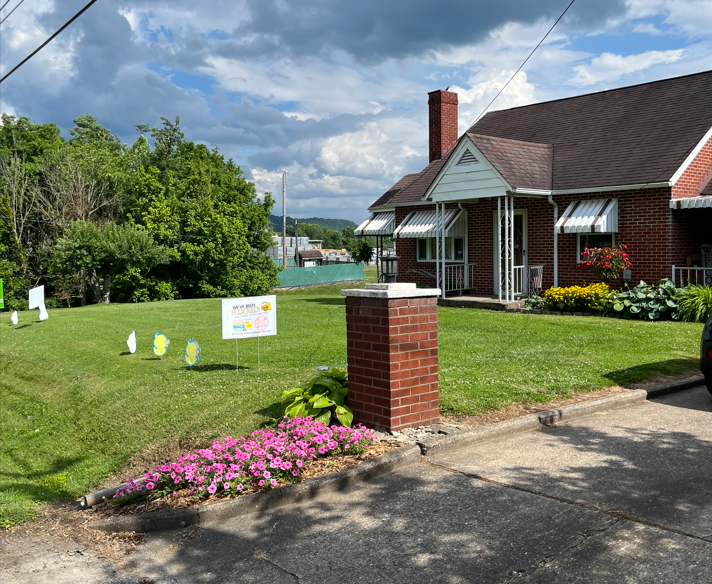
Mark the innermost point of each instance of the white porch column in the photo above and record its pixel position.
(498, 271)
(511, 249)
(506, 249)
(437, 248)
(442, 216)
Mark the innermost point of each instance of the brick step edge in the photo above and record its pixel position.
(534, 421)
(244, 505)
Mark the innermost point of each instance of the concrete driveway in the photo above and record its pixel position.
(621, 496)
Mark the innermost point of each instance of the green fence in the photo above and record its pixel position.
(279, 262)
(320, 275)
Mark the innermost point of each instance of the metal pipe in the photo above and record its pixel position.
(556, 242)
(499, 246)
(92, 499)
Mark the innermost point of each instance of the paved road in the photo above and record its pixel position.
(621, 496)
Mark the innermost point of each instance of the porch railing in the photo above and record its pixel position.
(520, 280)
(684, 276)
(458, 277)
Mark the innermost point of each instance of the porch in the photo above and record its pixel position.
(483, 302)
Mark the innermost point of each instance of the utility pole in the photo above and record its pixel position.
(284, 219)
(296, 241)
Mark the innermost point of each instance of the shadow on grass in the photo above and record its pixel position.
(213, 367)
(150, 358)
(631, 376)
(23, 326)
(327, 300)
(125, 353)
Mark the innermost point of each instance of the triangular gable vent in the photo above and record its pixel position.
(467, 158)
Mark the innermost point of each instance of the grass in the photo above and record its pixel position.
(75, 406)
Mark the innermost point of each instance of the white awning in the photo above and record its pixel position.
(591, 216)
(377, 224)
(423, 224)
(691, 203)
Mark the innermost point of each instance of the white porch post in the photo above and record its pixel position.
(511, 250)
(442, 214)
(506, 249)
(498, 271)
(437, 249)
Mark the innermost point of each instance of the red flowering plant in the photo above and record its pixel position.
(607, 262)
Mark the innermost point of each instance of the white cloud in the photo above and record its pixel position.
(647, 28)
(609, 67)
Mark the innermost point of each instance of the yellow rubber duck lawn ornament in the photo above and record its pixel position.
(192, 352)
(160, 344)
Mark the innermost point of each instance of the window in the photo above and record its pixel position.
(588, 240)
(454, 249)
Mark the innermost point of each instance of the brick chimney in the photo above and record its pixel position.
(442, 107)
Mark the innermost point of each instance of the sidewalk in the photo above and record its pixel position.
(621, 496)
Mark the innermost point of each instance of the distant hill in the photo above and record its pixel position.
(334, 224)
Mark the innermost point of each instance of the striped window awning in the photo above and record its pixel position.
(423, 224)
(691, 203)
(592, 216)
(377, 224)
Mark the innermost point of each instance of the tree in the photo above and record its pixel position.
(361, 251)
(102, 253)
(211, 220)
(87, 130)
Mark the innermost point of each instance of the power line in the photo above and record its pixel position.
(525, 60)
(11, 11)
(49, 40)
(3, 6)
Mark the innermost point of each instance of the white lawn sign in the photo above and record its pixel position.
(244, 318)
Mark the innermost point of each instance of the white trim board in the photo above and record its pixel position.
(679, 172)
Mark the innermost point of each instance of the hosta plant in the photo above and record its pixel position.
(323, 398)
(646, 301)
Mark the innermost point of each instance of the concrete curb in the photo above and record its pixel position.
(673, 386)
(534, 421)
(530, 422)
(287, 495)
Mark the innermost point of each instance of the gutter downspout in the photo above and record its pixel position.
(556, 242)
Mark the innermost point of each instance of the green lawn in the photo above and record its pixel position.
(74, 405)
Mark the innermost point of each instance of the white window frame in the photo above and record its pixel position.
(430, 245)
(579, 249)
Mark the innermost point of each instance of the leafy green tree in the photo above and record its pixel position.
(21, 139)
(88, 130)
(102, 253)
(211, 220)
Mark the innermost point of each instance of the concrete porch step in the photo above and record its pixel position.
(486, 302)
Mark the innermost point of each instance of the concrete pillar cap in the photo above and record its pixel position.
(398, 290)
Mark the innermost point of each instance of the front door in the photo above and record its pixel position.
(520, 252)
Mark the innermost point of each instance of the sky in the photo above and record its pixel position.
(333, 93)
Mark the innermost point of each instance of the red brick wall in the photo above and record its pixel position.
(696, 176)
(392, 346)
(657, 237)
(442, 114)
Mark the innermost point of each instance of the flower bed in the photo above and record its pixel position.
(267, 459)
(577, 298)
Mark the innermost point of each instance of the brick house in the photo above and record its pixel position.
(624, 166)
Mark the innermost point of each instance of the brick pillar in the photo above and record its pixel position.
(392, 344)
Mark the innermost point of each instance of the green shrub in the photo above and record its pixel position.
(322, 397)
(646, 301)
(695, 303)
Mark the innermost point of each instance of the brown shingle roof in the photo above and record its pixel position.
(522, 164)
(417, 188)
(311, 254)
(633, 135)
(407, 180)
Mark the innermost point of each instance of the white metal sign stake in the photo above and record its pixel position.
(244, 318)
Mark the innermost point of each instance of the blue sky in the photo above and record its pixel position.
(332, 92)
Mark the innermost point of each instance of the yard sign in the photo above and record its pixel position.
(244, 318)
